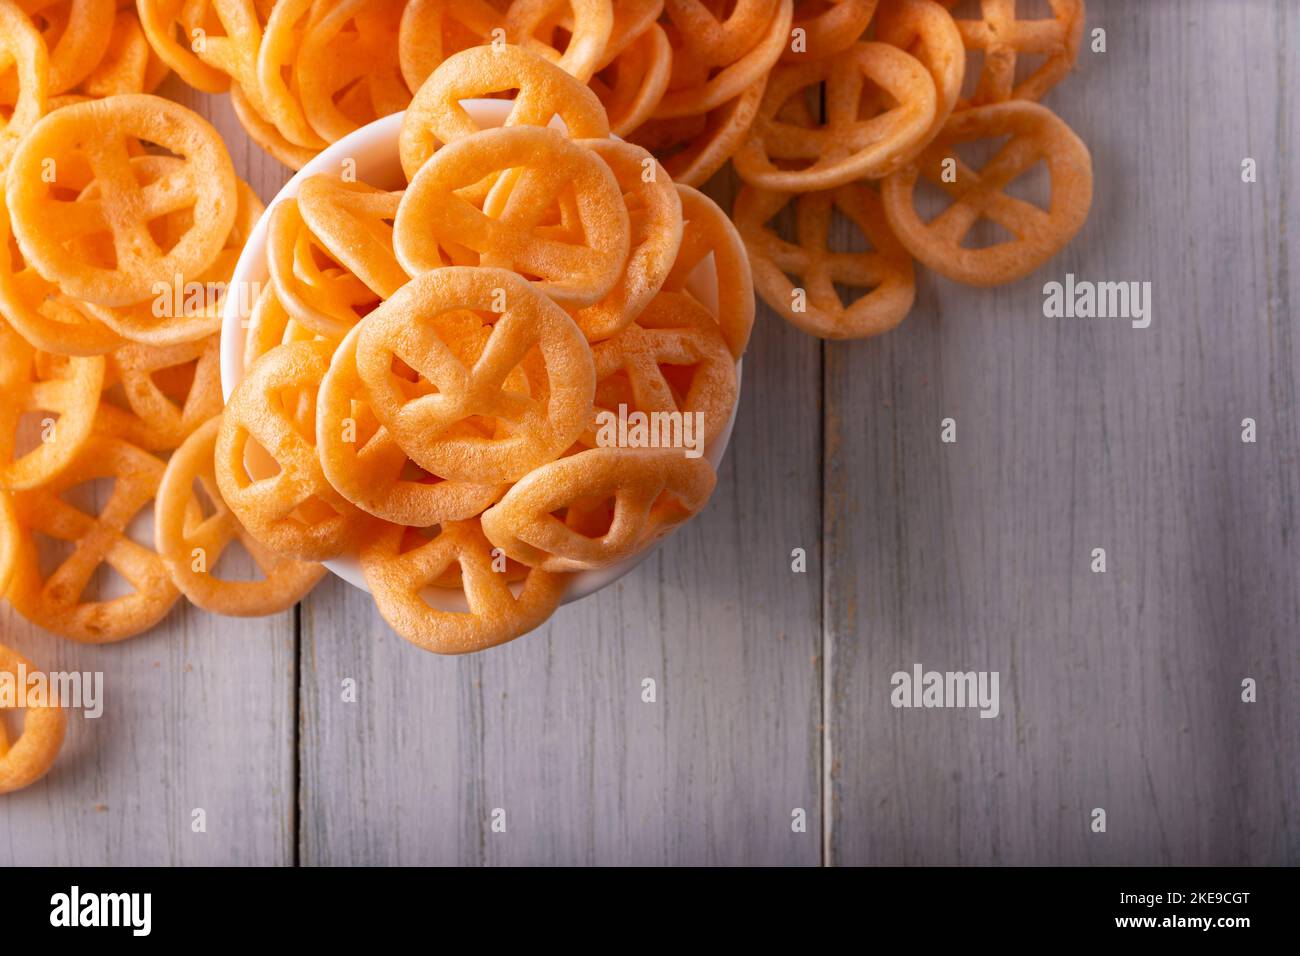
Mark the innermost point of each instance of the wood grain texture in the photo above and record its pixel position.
(1119, 690)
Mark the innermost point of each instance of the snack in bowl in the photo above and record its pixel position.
(541, 273)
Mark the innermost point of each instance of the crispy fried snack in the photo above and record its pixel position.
(264, 133)
(269, 325)
(44, 316)
(77, 34)
(926, 31)
(129, 65)
(21, 46)
(266, 462)
(1036, 133)
(181, 308)
(539, 424)
(170, 391)
(1003, 38)
(436, 115)
(886, 271)
(400, 564)
(695, 88)
(634, 82)
(584, 41)
(170, 27)
(191, 544)
(8, 539)
(655, 213)
(693, 148)
(709, 240)
(281, 39)
(45, 223)
(363, 461)
(355, 223)
(328, 301)
(674, 359)
(27, 759)
(56, 602)
(346, 70)
(828, 26)
(859, 139)
(68, 394)
(577, 271)
(627, 500)
(433, 30)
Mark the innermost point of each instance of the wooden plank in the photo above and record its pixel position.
(552, 728)
(1118, 690)
(198, 714)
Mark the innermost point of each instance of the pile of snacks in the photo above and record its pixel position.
(893, 113)
(428, 369)
(814, 101)
(120, 211)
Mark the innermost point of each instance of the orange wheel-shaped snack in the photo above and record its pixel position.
(170, 391)
(886, 270)
(710, 242)
(1003, 39)
(8, 540)
(574, 271)
(926, 31)
(634, 83)
(183, 308)
(585, 40)
(693, 148)
(269, 325)
(655, 213)
(673, 359)
(27, 759)
(719, 42)
(22, 46)
(67, 397)
(365, 464)
(44, 316)
(543, 90)
(101, 131)
(355, 223)
(265, 134)
(828, 26)
(57, 602)
(266, 462)
(77, 34)
(697, 89)
(850, 145)
(400, 565)
(347, 70)
(651, 492)
(433, 30)
(191, 544)
(281, 40)
(326, 300)
(169, 25)
(539, 423)
(1036, 133)
(125, 67)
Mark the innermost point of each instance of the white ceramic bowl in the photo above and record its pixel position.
(373, 149)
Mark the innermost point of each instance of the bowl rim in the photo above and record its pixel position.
(365, 148)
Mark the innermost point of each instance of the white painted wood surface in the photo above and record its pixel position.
(1118, 690)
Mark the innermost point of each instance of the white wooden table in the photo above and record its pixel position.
(1119, 690)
